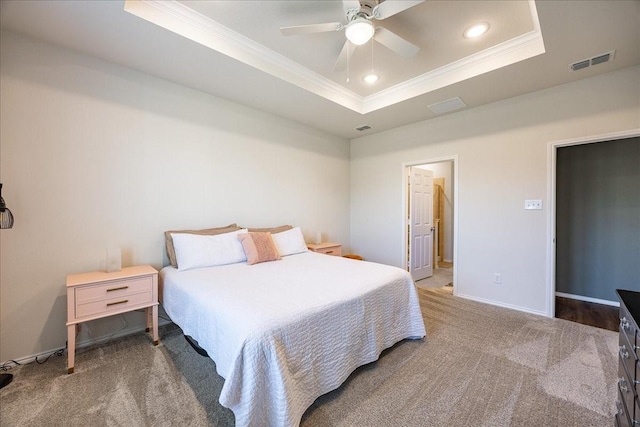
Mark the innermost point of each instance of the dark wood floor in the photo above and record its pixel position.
(588, 313)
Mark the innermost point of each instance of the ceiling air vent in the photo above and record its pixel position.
(602, 58)
(599, 59)
(447, 106)
(363, 127)
(580, 65)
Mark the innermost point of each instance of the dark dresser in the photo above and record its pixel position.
(628, 367)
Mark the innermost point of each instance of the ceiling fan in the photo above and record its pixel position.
(359, 27)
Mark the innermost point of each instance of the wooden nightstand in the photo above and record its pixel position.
(326, 248)
(98, 294)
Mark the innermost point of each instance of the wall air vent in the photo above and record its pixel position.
(447, 106)
(598, 59)
(363, 127)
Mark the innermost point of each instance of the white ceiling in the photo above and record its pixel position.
(239, 53)
(307, 60)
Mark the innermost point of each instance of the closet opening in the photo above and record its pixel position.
(594, 243)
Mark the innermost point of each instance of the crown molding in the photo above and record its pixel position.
(178, 18)
(517, 49)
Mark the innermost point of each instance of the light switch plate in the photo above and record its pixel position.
(533, 205)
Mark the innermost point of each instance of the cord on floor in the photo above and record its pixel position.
(8, 365)
(13, 363)
(56, 353)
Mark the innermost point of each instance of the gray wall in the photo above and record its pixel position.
(598, 218)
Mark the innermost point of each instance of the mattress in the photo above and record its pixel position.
(283, 333)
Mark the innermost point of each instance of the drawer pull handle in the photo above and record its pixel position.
(329, 252)
(623, 387)
(118, 302)
(117, 289)
(624, 323)
(623, 352)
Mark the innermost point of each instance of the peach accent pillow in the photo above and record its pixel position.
(258, 247)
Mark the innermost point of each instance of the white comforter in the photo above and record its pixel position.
(283, 333)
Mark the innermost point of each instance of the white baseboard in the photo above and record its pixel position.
(87, 343)
(503, 305)
(588, 299)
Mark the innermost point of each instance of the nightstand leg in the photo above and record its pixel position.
(149, 319)
(154, 320)
(71, 347)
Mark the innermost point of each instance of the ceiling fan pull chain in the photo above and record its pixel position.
(372, 54)
(348, 47)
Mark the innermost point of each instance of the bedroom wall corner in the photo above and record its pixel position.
(502, 161)
(94, 155)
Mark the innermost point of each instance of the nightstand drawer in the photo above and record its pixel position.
(114, 289)
(326, 248)
(114, 304)
(333, 250)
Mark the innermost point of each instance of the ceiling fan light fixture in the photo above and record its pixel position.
(371, 78)
(359, 31)
(476, 30)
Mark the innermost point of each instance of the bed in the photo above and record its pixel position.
(283, 333)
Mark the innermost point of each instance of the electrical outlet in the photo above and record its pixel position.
(497, 278)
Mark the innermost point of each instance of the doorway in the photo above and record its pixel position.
(443, 237)
(593, 193)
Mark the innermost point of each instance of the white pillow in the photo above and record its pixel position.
(290, 242)
(197, 251)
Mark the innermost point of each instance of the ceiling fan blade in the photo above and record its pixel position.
(310, 29)
(347, 51)
(395, 42)
(391, 7)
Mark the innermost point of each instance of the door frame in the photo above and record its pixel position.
(406, 214)
(551, 197)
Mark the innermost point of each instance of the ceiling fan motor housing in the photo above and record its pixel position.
(365, 10)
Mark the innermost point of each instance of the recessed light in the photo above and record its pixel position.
(371, 78)
(476, 30)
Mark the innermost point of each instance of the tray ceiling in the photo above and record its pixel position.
(253, 65)
(249, 31)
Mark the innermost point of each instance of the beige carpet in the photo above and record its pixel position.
(480, 366)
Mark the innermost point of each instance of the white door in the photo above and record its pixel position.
(421, 223)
